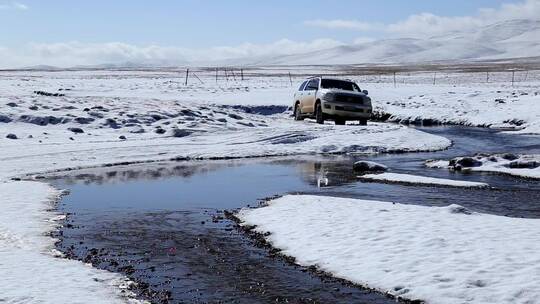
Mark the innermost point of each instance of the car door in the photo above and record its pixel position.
(298, 95)
(309, 96)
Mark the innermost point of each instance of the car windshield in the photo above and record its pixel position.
(339, 84)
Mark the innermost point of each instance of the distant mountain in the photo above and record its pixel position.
(502, 40)
(41, 67)
(510, 40)
(131, 65)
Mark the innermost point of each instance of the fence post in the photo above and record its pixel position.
(513, 74)
(242, 74)
(394, 79)
(216, 75)
(526, 75)
(290, 78)
(187, 76)
(434, 77)
(487, 77)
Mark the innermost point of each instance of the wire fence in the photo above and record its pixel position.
(293, 77)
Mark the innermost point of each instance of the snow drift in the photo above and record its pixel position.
(437, 254)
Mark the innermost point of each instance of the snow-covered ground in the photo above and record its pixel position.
(140, 116)
(116, 117)
(441, 255)
(518, 165)
(63, 120)
(29, 272)
(282, 137)
(416, 180)
(496, 105)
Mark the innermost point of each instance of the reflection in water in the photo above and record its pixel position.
(120, 174)
(313, 170)
(234, 184)
(165, 230)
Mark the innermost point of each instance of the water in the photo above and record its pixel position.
(163, 226)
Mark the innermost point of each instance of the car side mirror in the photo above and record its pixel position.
(365, 92)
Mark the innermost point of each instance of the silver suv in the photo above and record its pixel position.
(335, 99)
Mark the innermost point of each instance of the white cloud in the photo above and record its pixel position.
(341, 24)
(67, 54)
(425, 25)
(71, 54)
(12, 5)
(529, 9)
(280, 47)
(363, 40)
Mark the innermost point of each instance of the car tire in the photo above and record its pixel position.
(340, 121)
(319, 115)
(363, 122)
(297, 113)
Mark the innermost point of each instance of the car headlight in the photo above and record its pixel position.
(329, 97)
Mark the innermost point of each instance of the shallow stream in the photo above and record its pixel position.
(163, 224)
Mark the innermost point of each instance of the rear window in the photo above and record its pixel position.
(339, 84)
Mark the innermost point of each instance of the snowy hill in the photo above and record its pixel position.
(509, 40)
(502, 40)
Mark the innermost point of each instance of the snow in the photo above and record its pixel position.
(438, 254)
(109, 104)
(434, 163)
(139, 104)
(30, 273)
(161, 119)
(282, 137)
(441, 254)
(532, 128)
(415, 179)
(527, 166)
(497, 105)
(502, 40)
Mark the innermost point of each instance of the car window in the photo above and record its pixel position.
(312, 85)
(302, 85)
(339, 84)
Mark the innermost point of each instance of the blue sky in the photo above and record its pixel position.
(86, 32)
(205, 23)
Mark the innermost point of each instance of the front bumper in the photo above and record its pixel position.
(346, 110)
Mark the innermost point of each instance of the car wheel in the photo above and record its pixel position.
(297, 113)
(319, 115)
(363, 122)
(340, 122)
